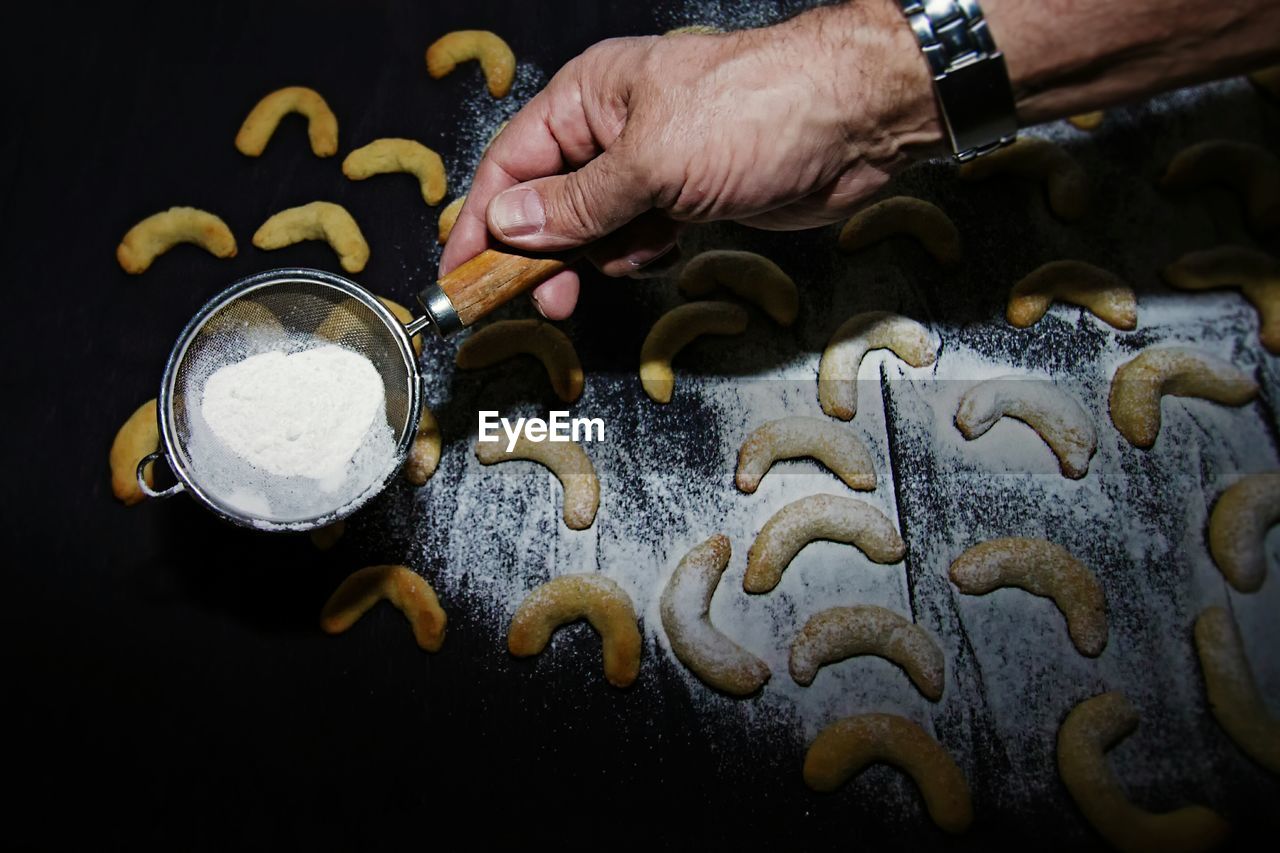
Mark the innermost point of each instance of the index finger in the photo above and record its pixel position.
(526, 149)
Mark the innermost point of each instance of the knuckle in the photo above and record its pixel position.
(580, 206)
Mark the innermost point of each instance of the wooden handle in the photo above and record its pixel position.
(492, 278)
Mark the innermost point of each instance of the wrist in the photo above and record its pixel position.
(880, 75)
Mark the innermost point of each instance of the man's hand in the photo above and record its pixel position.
(787, 127)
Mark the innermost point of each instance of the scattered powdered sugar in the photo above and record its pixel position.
(487, 535)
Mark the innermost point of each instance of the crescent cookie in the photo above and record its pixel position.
(351, 317)
(816, 517)
(674, 331)
(838, 369)
(385, 156)
(1267, 79)
(685, 607)
(906, 216)
(504, 339)
(137, 436)
(1238, 529)
(1139, 384)
(1093, 727)
(424, 455)
(1233, 695)
(1065, 181)
(1102, 293)
(1251, 171)
(160, 232)
(844, 632)
(567, 460)
(1041, 568)
(324, 538)
(496, 59)
(403, 587)
(1051, 412)
(753, 277)
(1257, 274)
(319, 220)
(448, 216)
(835, 446)
(569, 598)
(846, 747)
(261, 123)
(1088, 121)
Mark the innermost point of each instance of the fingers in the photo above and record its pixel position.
(636, 245)
(556, 297)
(525, 149)
(566, 211)
(639, 249)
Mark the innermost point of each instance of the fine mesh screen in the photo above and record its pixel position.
(288, 316)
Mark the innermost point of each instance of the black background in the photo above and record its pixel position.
(166, 684)
(165, 681)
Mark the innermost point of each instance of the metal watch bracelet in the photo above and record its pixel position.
(970, 79)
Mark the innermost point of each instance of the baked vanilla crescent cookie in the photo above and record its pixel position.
(1051, 412)
(261, 123)
(1102, 293)
(348, 320)
(160, 232)
(404, 588)
(685, 607)
(386, 156)
(1066, 182)
(137, 436)
(569, 598)
(448, 216)
(324, 538)
(861, 333)
(1233, 695)
(846, 747)
(496, 59)
(1139, 385)
(1092, 728)
(753, 277)
(905, 216)
(675, 330)
(567, 460)
(1251, 171)
(844, 632)
(1238, 529)
(504, 339)
(1041, 568)
(424, 454)
(1256, 273)
(319, 220)
(819, 517)
(1088, 121)
(836, 446)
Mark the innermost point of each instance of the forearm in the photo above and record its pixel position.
(1064, 57)
(1071, 56)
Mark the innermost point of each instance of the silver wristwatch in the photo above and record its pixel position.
(969, 74)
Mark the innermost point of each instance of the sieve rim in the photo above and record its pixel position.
(238, 289)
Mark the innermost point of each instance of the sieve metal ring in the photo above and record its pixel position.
(294, 275)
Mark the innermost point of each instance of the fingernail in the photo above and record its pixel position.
(537, 304)
(644, 257)
(518, 212)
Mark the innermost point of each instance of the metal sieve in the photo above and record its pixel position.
(306, 306)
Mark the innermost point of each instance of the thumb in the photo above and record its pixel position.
(566, 211)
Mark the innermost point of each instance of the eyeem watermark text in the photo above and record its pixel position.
(559, 427)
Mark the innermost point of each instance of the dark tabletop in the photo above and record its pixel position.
(166, 681)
